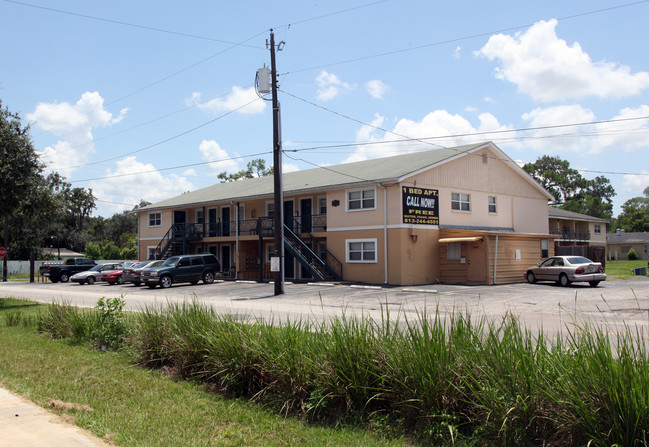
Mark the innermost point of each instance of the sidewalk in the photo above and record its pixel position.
(25, 424)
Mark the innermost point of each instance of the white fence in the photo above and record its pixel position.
(18, 267)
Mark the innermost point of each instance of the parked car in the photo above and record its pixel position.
(115, 276)
(185, 268)
(61, 271)
(132, 274)
(94, 274)
(567, 269)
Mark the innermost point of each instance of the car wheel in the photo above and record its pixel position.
(563, 280)
(64, 277)
(151, 286)
(593, 283)
(166, 282)
(119, 280)
(531, 278)
(137, 284)
(193, 283)
(54, 280)
(81, 282)
(208, 277)
(91, 280)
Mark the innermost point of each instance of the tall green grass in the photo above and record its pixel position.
(442, 380)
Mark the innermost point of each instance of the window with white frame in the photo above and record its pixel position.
(545, 248)
(151, 252)
(360, 250)
(453, 251)
(361, 200)
(493, 209)
(322, 205)
(270, 252)
(270, 209)
(155, 219)
(200, 216)
(598, 229)
(460, 202)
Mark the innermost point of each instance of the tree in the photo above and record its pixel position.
(20, 175)
(570, 189)
(635, 214)
(254, 168)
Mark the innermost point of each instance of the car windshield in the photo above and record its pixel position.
(95, 268)
(171, 261)
(579, 260)
(139, 265)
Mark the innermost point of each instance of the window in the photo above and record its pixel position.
(322, 205)
(460, 202)
(270, 252)
(454, 251)
(155, 219)
(598, 229)
(200, 216)
(492, 205)
(361, 200)
(545, 250)
(270, 209)
(361, 250)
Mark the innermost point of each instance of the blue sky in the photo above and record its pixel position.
(150, 99)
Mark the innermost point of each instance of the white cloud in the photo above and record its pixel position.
(132, 181)
(290, 167)
(585, 139)
(457, 54)
(636, 184)
(376, 88)
(242, 100)
(439, 123)
(548, 69)
(74, 123)
(625, 135)
(330, 85)
(211, 151)
(567, 138)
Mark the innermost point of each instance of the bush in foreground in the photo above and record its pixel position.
(443, 380)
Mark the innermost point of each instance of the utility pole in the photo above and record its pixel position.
(278, 219)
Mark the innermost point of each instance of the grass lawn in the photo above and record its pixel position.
(623, 269)
(132, 406)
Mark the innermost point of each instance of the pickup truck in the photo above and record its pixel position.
(62, 271)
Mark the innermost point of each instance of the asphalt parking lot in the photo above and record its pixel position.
(546, 305)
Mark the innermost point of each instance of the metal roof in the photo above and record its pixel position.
(379, 170)
(628, 238)
(558, 213)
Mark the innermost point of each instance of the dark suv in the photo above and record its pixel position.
(185, 268)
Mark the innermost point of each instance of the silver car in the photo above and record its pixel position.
(93, 275)
(567, 269)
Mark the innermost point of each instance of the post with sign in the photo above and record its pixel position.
(3, 256)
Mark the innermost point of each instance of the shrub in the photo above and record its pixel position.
(632, 255)
(109, 330)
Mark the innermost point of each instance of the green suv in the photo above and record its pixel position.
(185, 268)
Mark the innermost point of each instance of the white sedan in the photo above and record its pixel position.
(567, 269)
(93, 275)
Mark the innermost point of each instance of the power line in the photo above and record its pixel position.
(170, 168)
(459, 39)
(166, 140)
(132, 25)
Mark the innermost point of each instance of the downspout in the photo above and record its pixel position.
(385, 232)
(236, 244)
(496, 259)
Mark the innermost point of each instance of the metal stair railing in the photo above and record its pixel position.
(332, 265)
(303, 253)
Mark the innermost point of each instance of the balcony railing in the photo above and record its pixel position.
(250, 227)
(571, 234)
